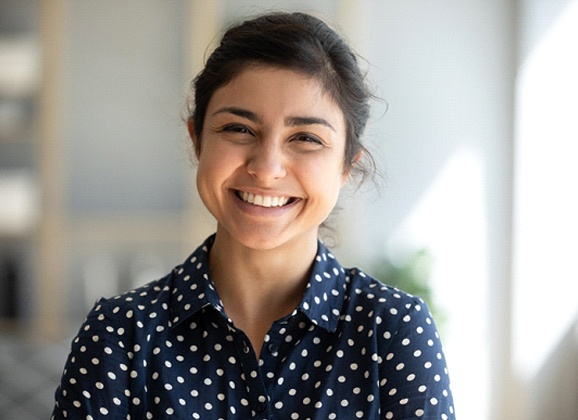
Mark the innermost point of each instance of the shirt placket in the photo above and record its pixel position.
(253, 378)
(274, 352)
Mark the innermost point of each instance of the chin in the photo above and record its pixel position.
(262, 242)
(267, 239)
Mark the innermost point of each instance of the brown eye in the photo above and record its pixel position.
(308, 138)
(237, 128)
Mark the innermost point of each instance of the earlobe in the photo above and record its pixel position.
(347, 171)
(357, 158)
(193, 136)
(345, 176)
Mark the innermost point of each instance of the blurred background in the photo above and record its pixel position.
(475, 132)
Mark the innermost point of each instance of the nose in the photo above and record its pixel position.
(267, 162)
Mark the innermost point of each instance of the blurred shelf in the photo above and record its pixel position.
(20, 208)
(20, 70)
(16, 120)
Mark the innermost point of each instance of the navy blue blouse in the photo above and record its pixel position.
(353, 348)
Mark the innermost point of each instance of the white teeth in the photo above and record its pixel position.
(263, 201)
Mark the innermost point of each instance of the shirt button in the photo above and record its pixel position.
(273, 348)
(260, 407)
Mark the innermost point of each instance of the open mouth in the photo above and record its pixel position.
(264, 200)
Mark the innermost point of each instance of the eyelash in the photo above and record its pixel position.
(242, 129)
(308, 138)
(237, 128)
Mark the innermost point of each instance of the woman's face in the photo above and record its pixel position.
(271, 159)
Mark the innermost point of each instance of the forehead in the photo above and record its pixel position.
(275, 90)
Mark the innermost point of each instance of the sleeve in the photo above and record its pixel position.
(414, 377)
(95, 378)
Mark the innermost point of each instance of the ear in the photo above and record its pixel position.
(193, 136)
(347, 171)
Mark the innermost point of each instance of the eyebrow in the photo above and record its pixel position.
(298, 121)
(240, 112)
(289, 121)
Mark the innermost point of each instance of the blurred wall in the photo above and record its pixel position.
(545, 286)
(124, 64)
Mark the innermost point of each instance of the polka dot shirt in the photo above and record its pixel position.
(353, 348)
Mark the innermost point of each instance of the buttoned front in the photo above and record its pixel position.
(353, 348)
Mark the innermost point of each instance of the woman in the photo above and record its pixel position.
(262, 321)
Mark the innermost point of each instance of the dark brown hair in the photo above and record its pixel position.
(295, 41)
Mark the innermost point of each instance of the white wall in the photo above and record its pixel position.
(445, 69)
(545, 302)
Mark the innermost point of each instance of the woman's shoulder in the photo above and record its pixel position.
(138, 309)
(364, 286)
(187, 278)
(143, 297)
(370, 298)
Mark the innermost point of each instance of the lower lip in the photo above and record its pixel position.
(259, 210)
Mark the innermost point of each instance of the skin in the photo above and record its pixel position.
(277, 135)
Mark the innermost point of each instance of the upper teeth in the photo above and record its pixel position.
(263, 201)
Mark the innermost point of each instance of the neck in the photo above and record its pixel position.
(258, 287)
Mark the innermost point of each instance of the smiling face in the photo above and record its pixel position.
(271, 157)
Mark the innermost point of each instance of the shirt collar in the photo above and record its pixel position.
(323, 298)
(193, 289)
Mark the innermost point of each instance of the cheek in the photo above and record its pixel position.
(327, 182)
(216, 163)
